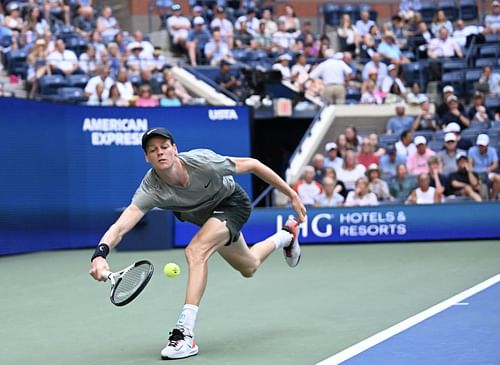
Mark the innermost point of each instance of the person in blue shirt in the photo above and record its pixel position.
(197, 39)
(485, 163)
(400, 122)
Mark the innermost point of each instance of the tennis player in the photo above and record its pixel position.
(198, 186)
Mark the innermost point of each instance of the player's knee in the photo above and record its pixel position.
(248, 272)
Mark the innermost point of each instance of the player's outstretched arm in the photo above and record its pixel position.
(254, 166)
(127, 220)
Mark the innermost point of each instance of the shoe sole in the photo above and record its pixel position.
(178, 358)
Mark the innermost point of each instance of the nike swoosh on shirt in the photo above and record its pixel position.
(208, 183)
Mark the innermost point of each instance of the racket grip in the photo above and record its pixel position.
(106, 274)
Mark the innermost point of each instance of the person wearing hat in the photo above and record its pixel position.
(225, 26)
(484, 160)
(390, 50)
(199, 187)
(376, 185)
(454, 114)
(416, 163)
(425, 120)
(228, 80)
(464, 181)
(178, 26)
(478, 106)
(135, 61)
(492, 21)
(332, 158)
(449, 153)
(196, 40)
(283, 66)
(400, 122)
(443, 108)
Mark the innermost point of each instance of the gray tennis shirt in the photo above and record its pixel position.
(210, 182)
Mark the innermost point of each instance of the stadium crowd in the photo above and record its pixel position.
(449, 150)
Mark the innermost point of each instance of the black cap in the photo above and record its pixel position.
(152, 132)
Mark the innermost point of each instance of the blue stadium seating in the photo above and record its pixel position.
(16, 62)
(49, 84)
(331, 15)
(468, 10)
(428, 10)
(77, 80)
(450, 9)
(69, 95)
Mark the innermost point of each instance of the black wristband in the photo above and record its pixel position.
(102, 250)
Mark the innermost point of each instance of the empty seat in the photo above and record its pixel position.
(488, 50)
(468, 10)
(77, 80)
(16, 62)
(492, 102)
(427, 10)
(481, 62)
(435, 145)
(70, 95)
(49, 84)
(450, 9)
(427, 134)
(331, 15)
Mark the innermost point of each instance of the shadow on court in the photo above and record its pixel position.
(52, 312)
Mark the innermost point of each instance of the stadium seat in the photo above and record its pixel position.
(353, 95)
(453, 65)
(427, 134)
(475, 124)
(49, 84)
(77, 80)
(481, 62)
(471, 78)
(450, 9)
(70, 95)
(77, 45)
(490, 50)
(351, 10)
(331, 15)
(492, 38)
(492, 102)
(438, 136)
(5, 41)
(369, 9)
(468, 10)
(471, 134)
(428, 10)
(435, 145)
(387, 139)
(16, 62)
(455, 79)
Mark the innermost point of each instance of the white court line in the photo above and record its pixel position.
(407, 323)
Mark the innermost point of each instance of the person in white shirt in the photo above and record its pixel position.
(283, 66)
(147, 46)
(97, 88)
(283, 40)
(350, 171)
(250, 19)
(461, 32)
(178, 26)
(364, 24)
(334, 72)
(62, 60)
(308, 188)
(361, 196)
(107, 25)
(124, 85)
(375, 63)
(217, 50)
(444, 46)
(424, 193)
(405, 146)
(225, 26)
(329, 197)
(492, 21)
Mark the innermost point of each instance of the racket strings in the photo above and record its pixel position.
(131, 281)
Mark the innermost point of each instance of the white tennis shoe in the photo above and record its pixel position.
(292, 251)
(180, 344)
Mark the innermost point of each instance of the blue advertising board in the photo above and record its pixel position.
(387, 223)
(67, 168)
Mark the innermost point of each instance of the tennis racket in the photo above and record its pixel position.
(128, 283)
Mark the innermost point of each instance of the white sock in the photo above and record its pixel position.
(281, 238)
(188, 316)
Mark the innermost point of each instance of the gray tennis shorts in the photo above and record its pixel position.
(235, 211)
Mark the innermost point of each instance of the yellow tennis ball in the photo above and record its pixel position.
(172, 270)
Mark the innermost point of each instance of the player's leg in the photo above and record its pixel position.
(212, 235)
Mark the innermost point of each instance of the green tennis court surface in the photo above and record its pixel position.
(52, 312)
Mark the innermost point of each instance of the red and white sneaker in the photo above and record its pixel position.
(292, 251)
(180, 345)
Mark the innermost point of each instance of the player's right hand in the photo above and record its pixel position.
(98, 265)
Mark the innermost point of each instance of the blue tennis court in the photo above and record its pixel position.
(462, 330)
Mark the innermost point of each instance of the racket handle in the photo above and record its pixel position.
(106, 273)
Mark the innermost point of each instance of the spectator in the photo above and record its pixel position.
(389, 162)
(339, 185)
(349, 37)
(300, 72)
(462, 32)
(329, 197)
(350, 170)
(440, 21)
(425, 121)
(342, 147)
(115, 59)
(376, 185)
(364, 24)
(448, 155)
(228, 80)
(424, 193)
(443, 46)
(353, 139)
(478, 106)
(361, 196)
(252, 23)
(355, 76)
(170, 98)
(270, 26)
(334, 72)
(490, 81)
(492, 21)
(97, 88)
(373, 77)
(115, 98)
(225, 26)
(390, 50)
(180, 91)
(95, 39)
(57, 10)
(405, 145)
(397, 27)
(37, 66)
(36, 23)
(217, 50)
(148, 79)
(147, 46)
(291, 21)
(416, 163)
(462, 143)
(88, 61)
(307, 187)
(400, 122)
(464, 181)
(243, 38)
(484, 160)
(370, 42)
(377, 64)
(422, 38)
(318, 162)
(377, 148)
(366, 156)
(393, 79)
(454, 114)
(145, 98)
(282, 40)
(135, 61)
(124, 86)
(414, 96)
(197, 39)
(443, 108)
(400, 186)
(84, 22)
(372, 94)
(261, 40)
(63, 61)
(107, 25)
(283, 66)
(332, 159)
(178, 27)
(437, 179)
(310, 46)
(307, 32)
